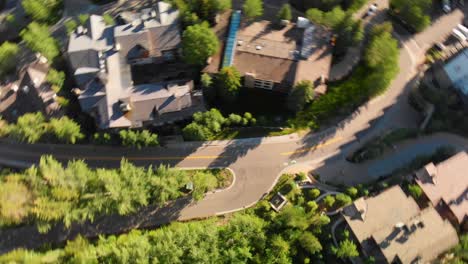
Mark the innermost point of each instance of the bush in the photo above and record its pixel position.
(343, 199)
(352, 191)
(138, 139)
(415, 190)
(329, 201)
(66, 130)
(314, 193)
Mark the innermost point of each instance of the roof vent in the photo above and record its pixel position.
(15, 88)
(153, 13)
(136, 22)
(125, 107)
(80, 30)
(25, 89)
(117, 46)
(240, 42)
(258, 47)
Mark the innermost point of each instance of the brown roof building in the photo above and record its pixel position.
(275, 58)
(390, 227)
(446, 186)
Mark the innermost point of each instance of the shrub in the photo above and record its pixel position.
(343, 199)
(415, 190)
(329, 201)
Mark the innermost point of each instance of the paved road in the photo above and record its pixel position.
(258, 162)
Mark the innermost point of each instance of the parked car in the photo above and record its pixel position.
(446, 6)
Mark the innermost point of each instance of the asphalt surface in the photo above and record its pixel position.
(257, 163)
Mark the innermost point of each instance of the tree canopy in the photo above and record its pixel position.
(285, 12)
(8, 55)
(51, 193)
(38, 38)
(228, 82)
(301, 94)
(44, 11)
(138, 139)
(413, 12)
(198, 43)
(253, 8)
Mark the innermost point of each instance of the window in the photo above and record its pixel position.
(262, 84)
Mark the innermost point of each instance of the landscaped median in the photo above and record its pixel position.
(50, 194)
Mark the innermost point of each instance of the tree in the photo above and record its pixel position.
(204, 126)
(253, 8)
(285, 12)
(345, 249)
(381, 47)
(71, 25)
(329, 201)
(413, 12)
(329, 19)
(8, 54)
(29, 127)
(66, 130)
(14, 202)
(199, 43)
(314, 193)
(352, 191)
(207, 85)
(56, 78)
(44, 11)
(138, 139)
(83, 18)
(310, 243)
(300, 95)
(228, 82)
(415, 190)
(37, 38)
(108, 19)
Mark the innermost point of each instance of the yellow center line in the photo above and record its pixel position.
(78, 157)
(321, 145)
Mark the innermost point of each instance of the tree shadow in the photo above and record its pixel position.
(148, 217)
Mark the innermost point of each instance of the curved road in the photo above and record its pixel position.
(258, 162)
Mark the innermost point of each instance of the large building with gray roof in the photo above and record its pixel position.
(130, 75)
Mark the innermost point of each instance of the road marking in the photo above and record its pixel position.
(321, 145)
(119, 158)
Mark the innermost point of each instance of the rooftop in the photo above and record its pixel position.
(103, 69)
(264, 38)
(447, 181)
(458, 72)
(423, 238)
(288, 53)
(367, 216)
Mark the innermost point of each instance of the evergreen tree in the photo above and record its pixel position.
(228, 82)
(253, 8)
(37, 38)
(285, 12)
(8, 55)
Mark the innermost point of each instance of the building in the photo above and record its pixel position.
(131, 75)
(454, 74)
(392, 228)
(446, 187)
(29, 93)
(274, 57)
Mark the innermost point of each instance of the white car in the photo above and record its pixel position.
(446, 6)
